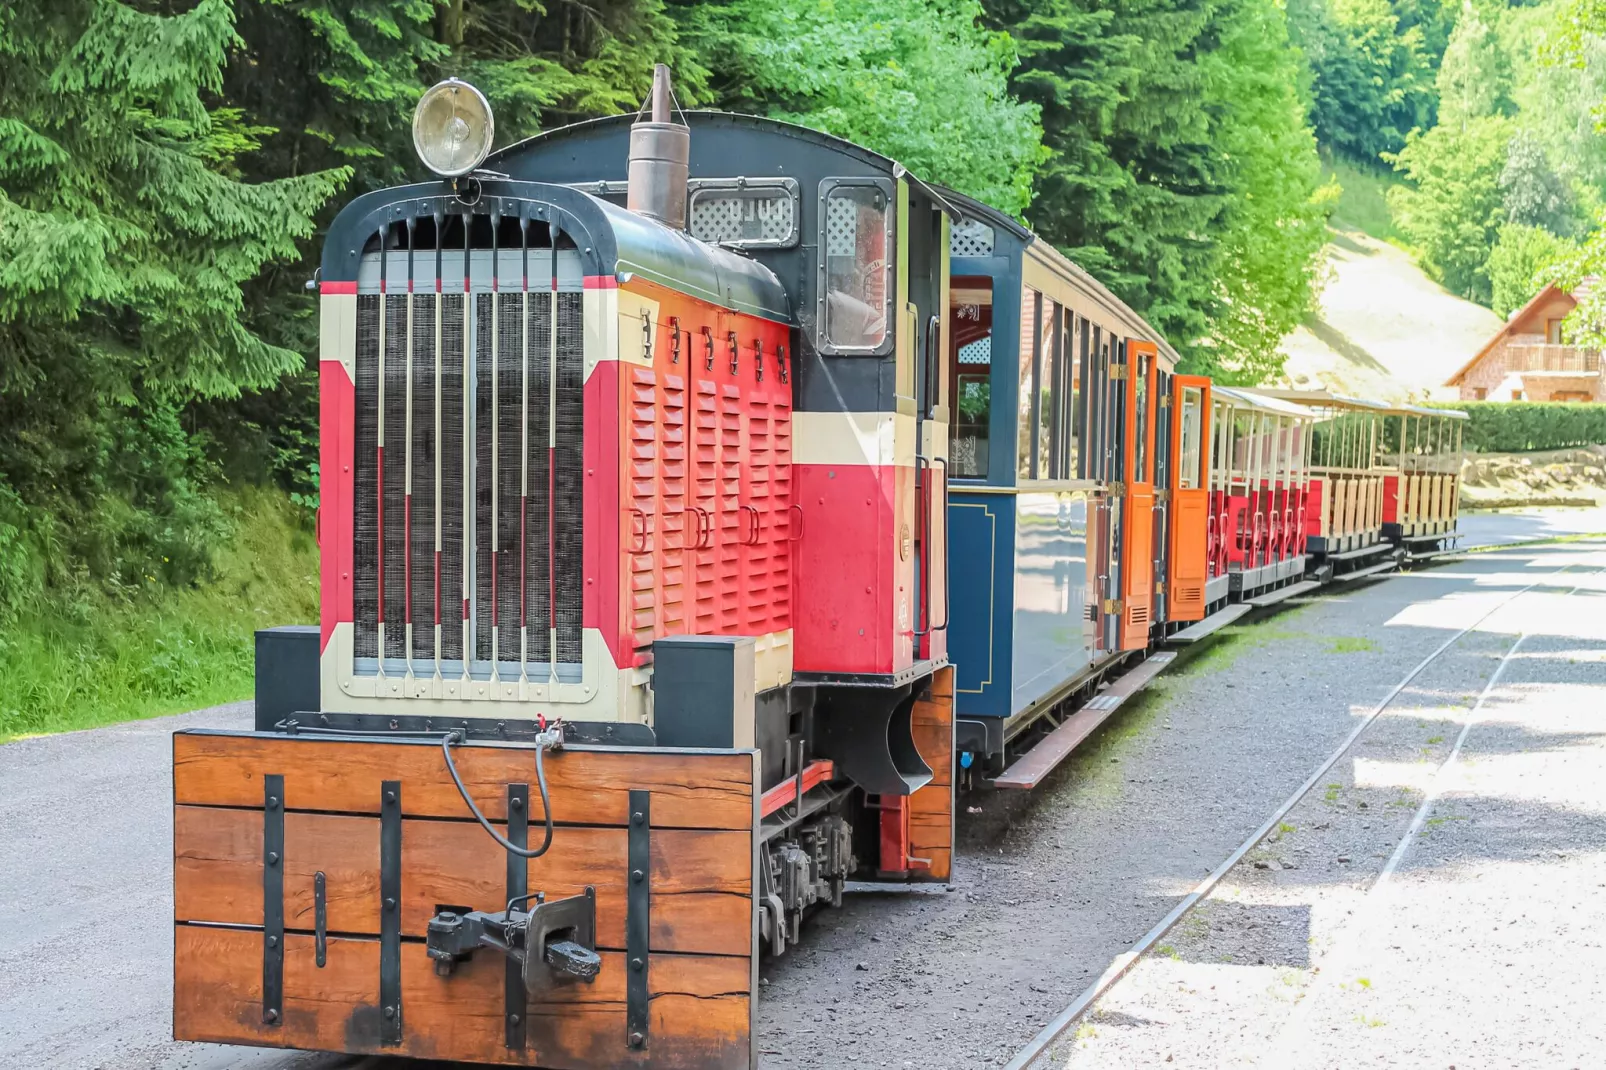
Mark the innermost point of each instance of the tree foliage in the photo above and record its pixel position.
(1523, 260)
(165, 166)
(125, 238)
(1266, 271)
(1178, 144)
(1451, 207)
(1371, 78)
(918, 81)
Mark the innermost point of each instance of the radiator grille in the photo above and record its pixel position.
(468, 475)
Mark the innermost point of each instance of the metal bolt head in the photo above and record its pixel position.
(513, 1019)
(390, 1012)
(273, 858)
(273, 941)
(390, 796)
(517, 803)
(390, 904)
(273, 802)
(270, 1015)
(637, 964)
(637, 1040)
(637, 818)
(637, 875)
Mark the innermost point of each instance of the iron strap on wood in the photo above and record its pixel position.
(638, 905)
(320, 919)
(272, 899)
(390, 836)
(518, 879)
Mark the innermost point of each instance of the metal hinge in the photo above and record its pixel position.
(1113, 606)
(1116, 490)
(1165, 401)
(1159, 588)
(1162, 495)
(1117, 371)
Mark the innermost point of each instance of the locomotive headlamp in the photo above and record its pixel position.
(452, 128)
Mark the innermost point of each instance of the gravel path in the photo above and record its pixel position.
(1512, 526)
(1483, 948)
(1051, 885)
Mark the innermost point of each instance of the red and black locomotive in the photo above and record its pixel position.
(643, 627)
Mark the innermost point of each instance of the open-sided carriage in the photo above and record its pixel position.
(1385, 482)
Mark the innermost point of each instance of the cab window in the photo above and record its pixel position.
(857, 250)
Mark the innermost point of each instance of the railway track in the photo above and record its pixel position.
(1040, 1045)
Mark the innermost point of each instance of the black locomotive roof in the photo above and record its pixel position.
(723, 144)
(611, 240)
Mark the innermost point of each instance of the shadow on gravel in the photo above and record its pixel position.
(1277, 934)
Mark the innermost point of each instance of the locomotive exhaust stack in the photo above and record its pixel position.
(660, 158)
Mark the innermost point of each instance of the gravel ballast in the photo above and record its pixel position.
(1050, 886)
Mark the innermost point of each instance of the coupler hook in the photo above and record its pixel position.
(554, 942)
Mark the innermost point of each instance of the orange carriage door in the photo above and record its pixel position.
(1190, 498)
(1137, 597)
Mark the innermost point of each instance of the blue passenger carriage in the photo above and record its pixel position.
(1059, 465)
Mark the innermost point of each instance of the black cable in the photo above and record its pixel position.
(546, 800)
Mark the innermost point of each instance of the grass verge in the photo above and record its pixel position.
(95, 660)
(1362, 202)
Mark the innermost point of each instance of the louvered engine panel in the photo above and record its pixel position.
(707, 486)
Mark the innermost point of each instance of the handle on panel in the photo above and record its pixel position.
(752, 537)
(947, 605)
(923, 534)
(798, 535)
(639, 540)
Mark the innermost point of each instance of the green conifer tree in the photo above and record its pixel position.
(125, 237)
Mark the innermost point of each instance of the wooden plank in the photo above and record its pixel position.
(1027, 772)
(701, 880)
(699, 1006)
(931, 808)
(691, 789)
(1292, 590)
(1210, 625)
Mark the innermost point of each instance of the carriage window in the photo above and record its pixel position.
(1046, 443)
(1070, 392)
(856, 254)
(1140, 467)
(970, 337)
(1029, 402)
(1189, 477)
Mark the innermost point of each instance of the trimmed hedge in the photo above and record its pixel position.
(1519, 426)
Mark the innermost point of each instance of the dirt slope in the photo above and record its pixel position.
(1383, 329)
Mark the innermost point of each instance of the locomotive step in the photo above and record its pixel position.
(1210, 625)
(1370, 570)
(1361, 551)
(1291, 591)
(1053, 748)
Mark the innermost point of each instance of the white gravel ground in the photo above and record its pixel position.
(1051, 886)
(1482, 949)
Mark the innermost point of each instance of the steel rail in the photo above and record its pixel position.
(1123, 963)
(1288, 1037)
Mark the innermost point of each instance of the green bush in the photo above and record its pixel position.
(1517, 426)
